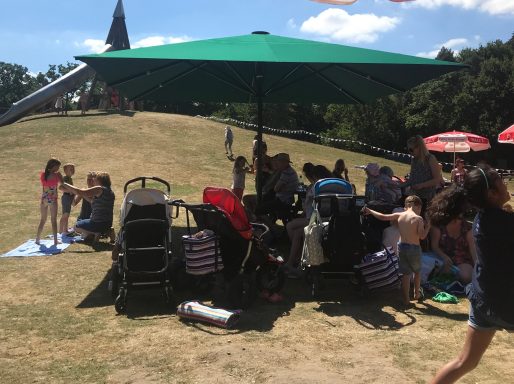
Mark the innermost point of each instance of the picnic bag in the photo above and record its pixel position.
(379, 270)
(312, 253)
(203, 254)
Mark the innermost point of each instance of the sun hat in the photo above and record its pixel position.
(282, 157)
(372, 169)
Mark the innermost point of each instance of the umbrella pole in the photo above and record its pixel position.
(454, 165)
(258, 184)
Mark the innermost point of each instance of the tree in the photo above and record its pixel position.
(15, 83)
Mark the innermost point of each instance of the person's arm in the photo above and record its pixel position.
(380, 216)
(87, 193)
(437, 176)
(435, 236)
(471, 246)
(76, 200)
(452, 177)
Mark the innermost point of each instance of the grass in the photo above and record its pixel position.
(58, 323)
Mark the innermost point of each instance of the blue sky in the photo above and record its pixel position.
(36, 33)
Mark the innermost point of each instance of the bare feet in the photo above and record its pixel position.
(38, 241)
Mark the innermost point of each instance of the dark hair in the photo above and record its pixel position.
(49, 165)
(322, 172)
(477, 184)
(447, 205)
(308, 170)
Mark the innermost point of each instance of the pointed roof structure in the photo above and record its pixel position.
(118, 35)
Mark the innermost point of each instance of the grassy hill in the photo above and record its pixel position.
(187, 152)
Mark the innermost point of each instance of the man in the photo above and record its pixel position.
(229, 138)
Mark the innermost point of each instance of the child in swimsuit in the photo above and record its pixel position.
(50, 179)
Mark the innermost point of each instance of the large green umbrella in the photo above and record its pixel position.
(262, 68)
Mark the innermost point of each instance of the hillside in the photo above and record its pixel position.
(187, 152)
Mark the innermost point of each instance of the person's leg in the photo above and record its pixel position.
(226, 147)
(295, 253)
(417, 285)
(44, 214)
(475, 345)
(53, 217)
(230, 148)
(406, 288)
(465, 273)
(294, 225)
(63, 223)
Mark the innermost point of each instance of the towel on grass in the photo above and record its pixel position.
(193, 310)
(45, 248)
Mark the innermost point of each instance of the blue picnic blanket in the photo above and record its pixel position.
(45, 248)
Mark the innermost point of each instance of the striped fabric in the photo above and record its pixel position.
(380, 270)
(193, 310)
(203, 255)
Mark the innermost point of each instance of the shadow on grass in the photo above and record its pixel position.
(98, 297)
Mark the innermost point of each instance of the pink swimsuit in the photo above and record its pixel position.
(49, 188)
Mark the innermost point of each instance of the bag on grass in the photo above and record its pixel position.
(193, 310)
(379, 270)
(202, 253)
(312, 253)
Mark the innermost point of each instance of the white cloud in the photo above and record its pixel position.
(151, 41)
(493, 7)
(339, 25)
(450, 44)
(291, 24)
(94, 45)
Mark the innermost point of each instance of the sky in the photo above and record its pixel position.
(37, 33)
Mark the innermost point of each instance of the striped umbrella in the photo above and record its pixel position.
(456, 141)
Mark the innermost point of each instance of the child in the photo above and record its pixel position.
(239, 172)
(412, 229)
(66, 199)
(491, 292)
(50, 178)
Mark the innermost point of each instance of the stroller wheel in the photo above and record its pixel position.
(241, 292)
(120, 304)
(270, 277)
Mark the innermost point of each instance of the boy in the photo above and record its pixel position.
(412, 229)
(66, 199)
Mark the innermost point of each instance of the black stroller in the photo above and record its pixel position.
(232, 248)
(343, 241)
(143, 243)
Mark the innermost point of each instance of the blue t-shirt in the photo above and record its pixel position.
(493, 277)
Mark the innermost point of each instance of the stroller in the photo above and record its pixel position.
(234, 249)
(343, 241)
(143, 243)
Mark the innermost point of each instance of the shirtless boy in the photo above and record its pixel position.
(412, 229)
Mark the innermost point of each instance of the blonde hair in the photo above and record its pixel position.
(413, 201)
(68, 165)
(417, 141)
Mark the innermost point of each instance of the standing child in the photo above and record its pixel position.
(412, 229)
(239, 172)
(50, 178)
(491, 292)
(229, 139)
(66, 199)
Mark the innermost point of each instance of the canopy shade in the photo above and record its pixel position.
(456, 141)
(278, 69)
(507, 136)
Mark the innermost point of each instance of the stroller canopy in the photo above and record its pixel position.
(332, 186)
(229, 204)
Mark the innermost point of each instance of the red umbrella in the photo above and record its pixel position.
(456, 141)
(507, 136)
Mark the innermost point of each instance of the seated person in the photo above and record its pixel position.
(372, 178)
(340, 171)
(391, 234)
(459, 173)
(451, 236)
(387, 189)
(102, 205)
(283, 185)
(295, 228)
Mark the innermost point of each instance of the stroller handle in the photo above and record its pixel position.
(143, 182)
(260, 226)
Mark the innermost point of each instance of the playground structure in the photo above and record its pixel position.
(117, 39)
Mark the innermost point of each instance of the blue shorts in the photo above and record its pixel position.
(481, 317)
(409, 258)
(66, 200)
(93, 226)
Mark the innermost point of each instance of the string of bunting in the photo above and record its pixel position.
(404, 157)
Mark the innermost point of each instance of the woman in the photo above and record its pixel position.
(425, 175)
(340, 169)
(450, 235)
(102, 205)
(459, 173)
(491, 293)
(295, 227)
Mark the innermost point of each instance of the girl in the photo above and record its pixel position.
(491, 292)
(239, 172)
(50, 178)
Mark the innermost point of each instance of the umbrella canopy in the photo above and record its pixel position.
(262, 68)
(456, 141)
(507, 136)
